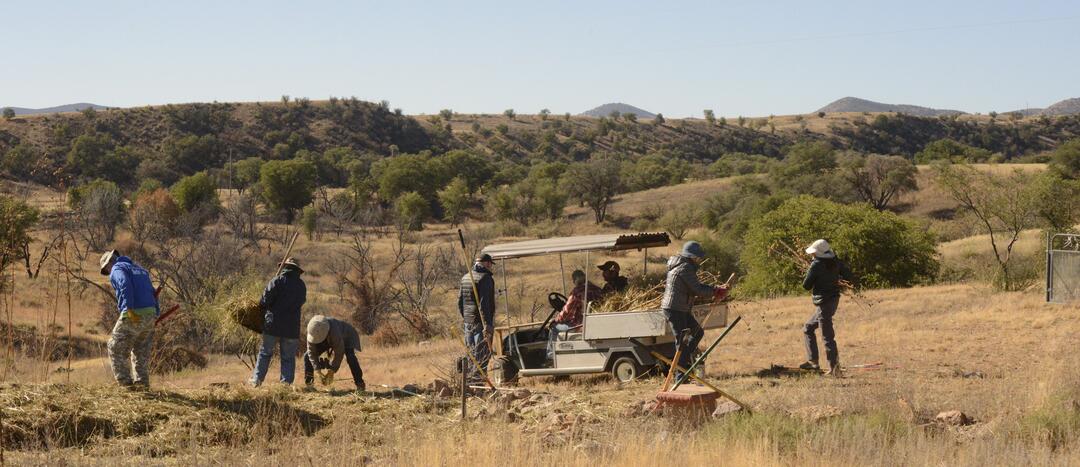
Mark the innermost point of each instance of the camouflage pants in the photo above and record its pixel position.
(131, 342)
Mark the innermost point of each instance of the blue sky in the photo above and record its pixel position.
(738, 58)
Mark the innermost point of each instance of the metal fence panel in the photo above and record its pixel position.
(1063, 268)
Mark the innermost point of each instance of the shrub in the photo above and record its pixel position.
(881, 248)
(411, 210)
(287, 185)
(678, 220)
(309, 220)
(196, 192)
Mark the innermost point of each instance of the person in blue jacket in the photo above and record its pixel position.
(282, 300)
(133, 335)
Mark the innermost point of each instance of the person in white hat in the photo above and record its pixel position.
(340, 340)
(823, 280)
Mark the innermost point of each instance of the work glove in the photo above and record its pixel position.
(327, 377)
(720, 293)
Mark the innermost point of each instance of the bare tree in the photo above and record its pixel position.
(97, 216)
(1005, 205)
(241, 216)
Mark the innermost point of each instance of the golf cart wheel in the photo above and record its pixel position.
(502, 371)
(625, 369)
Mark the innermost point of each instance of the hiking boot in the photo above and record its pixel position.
(361, 386)
(808, 365)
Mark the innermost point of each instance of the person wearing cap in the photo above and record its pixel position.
(132, 337)
(476, 303)
(680, 289)
(572, 311)
(823, 280)
(613, 282)
(281, 302)
(340, 340)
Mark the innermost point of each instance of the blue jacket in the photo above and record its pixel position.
(282, 300)
(133, 287)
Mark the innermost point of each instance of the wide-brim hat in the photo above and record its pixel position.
(484, 258)
(106, 259)
(292, 263)
(820, 249)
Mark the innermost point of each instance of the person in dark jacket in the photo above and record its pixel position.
(337, 338)
(477, 308)
(613, 281)
(680, 289)
(281, 302)
(133, 335)
(823, 280)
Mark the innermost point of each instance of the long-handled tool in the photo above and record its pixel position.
(288, 251)
(701, 358)
(678, 353)
(479, 310)
(666, 361)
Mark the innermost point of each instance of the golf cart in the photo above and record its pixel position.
(602, 342)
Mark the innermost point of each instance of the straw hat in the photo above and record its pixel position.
(106, 261)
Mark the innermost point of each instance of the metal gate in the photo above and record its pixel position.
(1062, 268)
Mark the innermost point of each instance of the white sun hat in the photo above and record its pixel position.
(821, 249)
(317, 329)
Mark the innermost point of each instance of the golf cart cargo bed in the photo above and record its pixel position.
(652, 323)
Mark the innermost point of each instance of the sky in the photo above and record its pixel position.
(679, 58)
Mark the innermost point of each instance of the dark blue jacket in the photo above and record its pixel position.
(485, 288)
(133, 287)
(282, 300)
(823, 278)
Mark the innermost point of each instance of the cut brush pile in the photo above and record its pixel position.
(246, 312)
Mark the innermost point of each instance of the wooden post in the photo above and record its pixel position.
(464, 387)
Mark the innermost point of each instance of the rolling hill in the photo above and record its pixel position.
(855, 104)
(57, 109)
(607, 109)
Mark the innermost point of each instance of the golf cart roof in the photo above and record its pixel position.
(602, 242)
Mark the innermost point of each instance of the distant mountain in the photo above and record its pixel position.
(1065, 107)
(57, 109)
(606, 109)
(854, 104)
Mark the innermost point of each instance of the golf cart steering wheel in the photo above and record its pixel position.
(557, 302)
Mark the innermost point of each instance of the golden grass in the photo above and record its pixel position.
(1002, 358)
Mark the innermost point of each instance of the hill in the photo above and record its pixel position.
(1065, 107)
(167, 142)
(57, 109)
(854, 104)
(606, 110)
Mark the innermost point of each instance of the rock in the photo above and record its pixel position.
(726, 408)
(441, 388)
(953, 418)
(816, 413)
(522, 393)
(423, 343)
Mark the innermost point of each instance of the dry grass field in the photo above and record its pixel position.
(1003, 359)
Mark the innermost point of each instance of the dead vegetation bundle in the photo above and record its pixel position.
(154, 423)
(176, 358)
(245, 311)
(644, 296)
